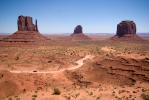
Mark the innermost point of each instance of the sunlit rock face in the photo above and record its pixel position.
(25, 23)
(27, 32)
(126, 31)
(126, 28)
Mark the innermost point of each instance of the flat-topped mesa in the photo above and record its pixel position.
(25, 23)
(126, 28)
(78, 29)
(126, 31)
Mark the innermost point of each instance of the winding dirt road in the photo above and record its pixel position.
(79, 64)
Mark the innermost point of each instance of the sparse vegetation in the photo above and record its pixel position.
(9, 98)
(143, 90)
(77, 95)
(48, 58)
(36, 91)
(18, 99)
(98, 98)
(91, 93)
(145, 96)
(68, 98)
(146, 58)
(119, 98)
(33, 98)
(17, 58)
(56, 91)
(34, 95)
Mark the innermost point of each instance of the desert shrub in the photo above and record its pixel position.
(91, 93)
(143, 90)
(33, 99)
(97, 98)
(146, 58)
(68, 98)
(77, 94)
(119, 98)
(24, 90)
(36, 91)
(34, 96)
(145, 97)
(17, 58)
(9, 98)
(17, 98)
(56, 91)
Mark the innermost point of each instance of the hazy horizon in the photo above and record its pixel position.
(55, 16)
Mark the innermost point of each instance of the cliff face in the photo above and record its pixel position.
(27, 31)
(126, 28)
(126, 31)
(25, 23)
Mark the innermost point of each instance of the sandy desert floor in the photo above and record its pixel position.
(75, 70)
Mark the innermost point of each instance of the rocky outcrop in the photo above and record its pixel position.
(78, 34)
(27, 32)
(126, 31)
(126, 28)
(78, 29)
(25, 23)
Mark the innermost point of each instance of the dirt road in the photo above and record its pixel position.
(79, 64)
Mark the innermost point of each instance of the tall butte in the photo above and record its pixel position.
(27, 31)
(25, 23)
(78, 34)
(126, 30)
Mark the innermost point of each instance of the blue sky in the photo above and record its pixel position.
(61, 16)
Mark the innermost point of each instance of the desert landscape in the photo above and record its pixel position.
(37, 67)
(74, 50)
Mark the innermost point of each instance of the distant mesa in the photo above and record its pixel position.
(27, 31)
(126, 28)
(78, 34)
(78, 29)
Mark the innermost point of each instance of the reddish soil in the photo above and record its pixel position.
(119, 70)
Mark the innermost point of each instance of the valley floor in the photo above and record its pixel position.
(80, 70)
